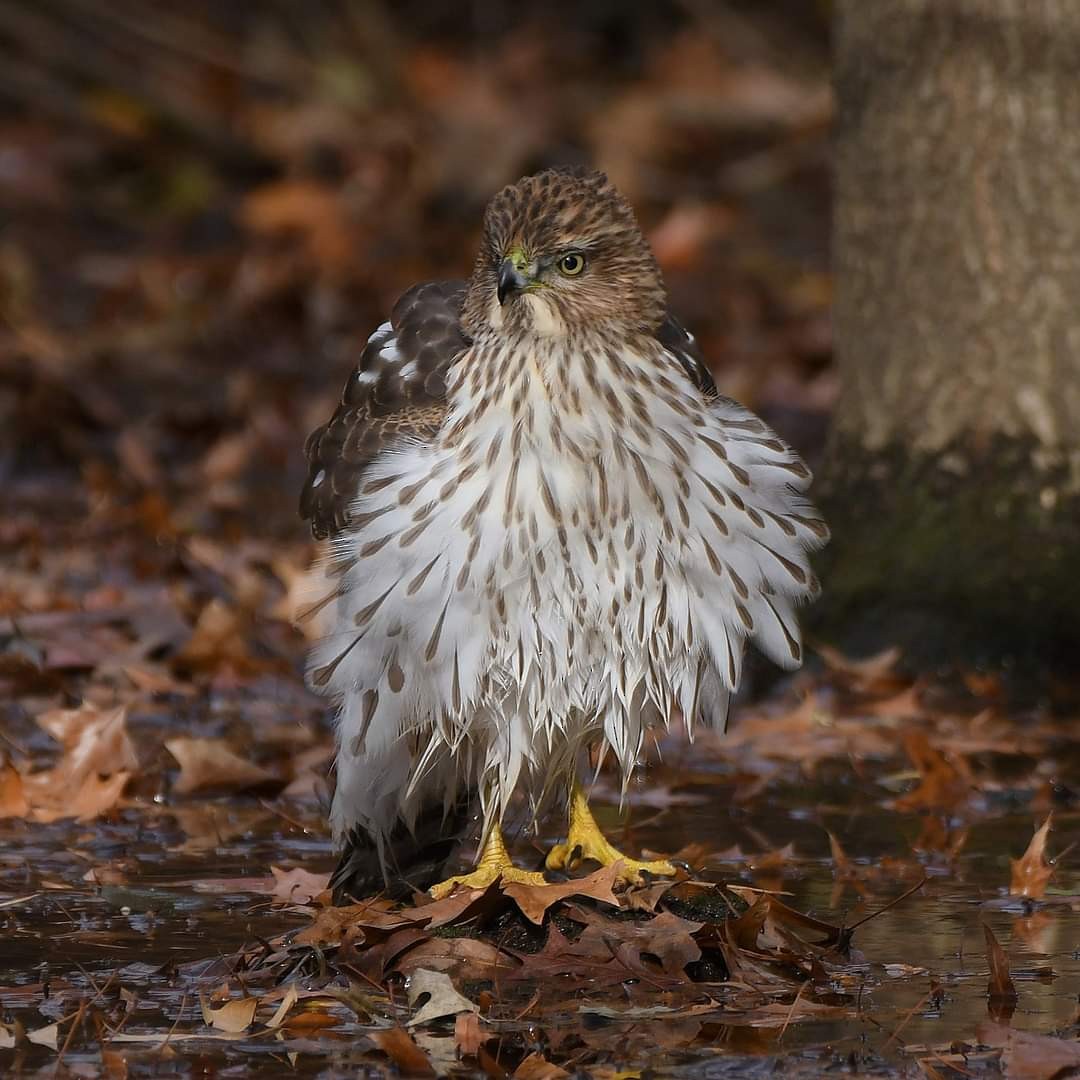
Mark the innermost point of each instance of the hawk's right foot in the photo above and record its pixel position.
(494, 864)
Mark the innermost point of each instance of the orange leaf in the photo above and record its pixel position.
(94, 741)
(1031, 872)
(843, 867)
(469, 1034)
(1001, 987)
(94, 796)
(864, 672)
(944, 781)
(13, 800)
(537, 1067)
(219, 637)
(534, 900)
(398, 1045)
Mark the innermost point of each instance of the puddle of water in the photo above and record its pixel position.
(67, 939)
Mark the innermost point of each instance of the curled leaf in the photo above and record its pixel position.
(1031, 873)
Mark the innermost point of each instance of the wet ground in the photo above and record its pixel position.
(184, 889)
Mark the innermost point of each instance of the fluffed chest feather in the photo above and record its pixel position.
(582, 549)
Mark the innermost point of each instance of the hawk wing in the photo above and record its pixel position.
(398, 388)
(681, 344)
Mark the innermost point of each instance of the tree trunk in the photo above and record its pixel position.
(952, 479)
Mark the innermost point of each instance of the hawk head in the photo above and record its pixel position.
(561, 252)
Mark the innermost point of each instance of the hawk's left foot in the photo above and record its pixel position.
(494, 864)
(586, 841)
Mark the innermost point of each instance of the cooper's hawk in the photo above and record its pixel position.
(546, 529)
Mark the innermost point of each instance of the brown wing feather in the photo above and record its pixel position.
(681, 344)
(398, 388)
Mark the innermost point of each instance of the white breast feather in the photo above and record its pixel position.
(483, 650)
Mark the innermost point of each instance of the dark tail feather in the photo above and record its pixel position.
(415, 860)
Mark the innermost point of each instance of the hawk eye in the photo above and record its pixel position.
(572, 263)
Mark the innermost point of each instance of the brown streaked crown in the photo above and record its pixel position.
(548, 215)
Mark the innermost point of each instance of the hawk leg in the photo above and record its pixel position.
(494, 863)
(586, 841)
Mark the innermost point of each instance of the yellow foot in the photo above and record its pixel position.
(586, 841)
(494, 863)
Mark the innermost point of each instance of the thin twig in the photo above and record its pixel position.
(891, 904)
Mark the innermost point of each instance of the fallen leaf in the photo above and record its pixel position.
(400, 1047)
(579, 964)
(311, 1020)
(94, 740)
(1031, 873)
(298, 886)
(944, 781)
(646, 897)
(907, 704)
(219, 637)
(234, 1016)
(1028, 1056)
(469, 1034)
(459, 906)
(843, 868)
(779, 912)
(745, 929)
(466, 957)
(442, 998)
(287, 1002)
(299, 604)
(903, 971)
(534, 900)
(866, 672)
(309, 772)
(441, 1051)
(45, 1036)
(667, 937)
(332, 925)
(537, 1067)
(207, 763)
(1000, 988)
(115, 1064)
(770, 861)
(94, 796)
(13, 800)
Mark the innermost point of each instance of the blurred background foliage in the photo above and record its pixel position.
(206, 208)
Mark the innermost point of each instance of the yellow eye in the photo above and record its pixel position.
(572, 264)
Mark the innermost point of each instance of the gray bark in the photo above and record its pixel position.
(953, 471)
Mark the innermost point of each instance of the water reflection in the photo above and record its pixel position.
(919, 974)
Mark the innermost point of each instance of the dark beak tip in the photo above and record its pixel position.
(509, 282)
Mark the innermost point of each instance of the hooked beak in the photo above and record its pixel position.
(511, 282)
